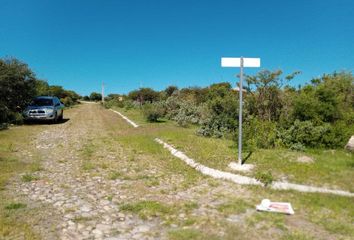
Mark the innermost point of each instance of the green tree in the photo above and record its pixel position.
(94, 96)
(17, 86)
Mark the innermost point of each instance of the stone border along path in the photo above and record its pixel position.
(247, 180)
(126, 119)
(239, 179)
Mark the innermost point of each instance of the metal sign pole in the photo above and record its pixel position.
(240, 115)
(241, 63)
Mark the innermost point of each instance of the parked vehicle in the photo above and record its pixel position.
(44, 108)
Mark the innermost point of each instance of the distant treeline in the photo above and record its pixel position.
(19, 85)
(318, 114)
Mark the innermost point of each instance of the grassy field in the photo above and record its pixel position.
(331, 168)
(13, 214)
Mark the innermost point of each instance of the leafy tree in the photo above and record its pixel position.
(170, 90)
(266, 100)
(17, 86)
(94, 96)
(144, 95)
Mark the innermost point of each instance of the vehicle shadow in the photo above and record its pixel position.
(64, 120)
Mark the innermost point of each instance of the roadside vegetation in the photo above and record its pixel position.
(19, 85)
(291, 134)
(319, 114)
(14, 213)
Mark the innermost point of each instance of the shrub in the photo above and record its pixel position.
(258, 133)
(68, 101)
(306, 134)
(265, 177)
(153, 111)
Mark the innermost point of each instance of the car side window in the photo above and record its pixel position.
(56, 101)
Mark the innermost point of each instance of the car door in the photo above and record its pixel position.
(58, 108)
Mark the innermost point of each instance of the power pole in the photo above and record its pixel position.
(102, 92)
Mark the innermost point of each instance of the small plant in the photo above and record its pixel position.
(181, 234)
(190, 206)
(36, 167)
(265, 177)
(146, 209)
(236, 206)
(14, 206)
(12, 148)
(88, 166)
(29, 177)
(114, 175)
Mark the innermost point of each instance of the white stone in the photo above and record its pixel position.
(350, 144)
(242, 167)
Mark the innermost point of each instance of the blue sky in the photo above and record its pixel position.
(157, 43)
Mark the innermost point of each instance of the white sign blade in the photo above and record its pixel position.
(231, 62)
(236, 62)
(251, 62)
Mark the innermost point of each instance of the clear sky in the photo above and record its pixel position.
(157, 43)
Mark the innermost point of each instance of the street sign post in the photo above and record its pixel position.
(241, 63)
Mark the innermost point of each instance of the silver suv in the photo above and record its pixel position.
(44, 108)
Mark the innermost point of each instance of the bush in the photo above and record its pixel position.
(113, 103)
(222, 117)
(153, 111)
(306, 134)
(68, 101)
(16, 118)
(265, 177)
(258, 133)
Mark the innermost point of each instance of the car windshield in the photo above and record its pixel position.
(42, 102)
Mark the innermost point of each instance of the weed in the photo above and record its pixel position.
(265, 177)
(81, 219)
(147, 209)
(36, 167)
(114, 175)
(297, 236)
(185, 234)
(236, 206)
(189, 206)
(14, 206)
(103, 166)
(88, 166)
(29, 178)
(12, 148)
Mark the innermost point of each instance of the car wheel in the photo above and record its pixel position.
(55, 119)
(61, 116)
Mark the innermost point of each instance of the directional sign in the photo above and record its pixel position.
(236, 62)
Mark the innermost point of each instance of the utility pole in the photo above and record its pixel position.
(241, 63)
(102, 92)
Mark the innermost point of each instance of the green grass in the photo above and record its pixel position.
(13, 214)
(14, 206)
(333, 168)
(235, 206)
(147, 209)
(29, 177)
(297, 236)
(185, 234)
(114, 175)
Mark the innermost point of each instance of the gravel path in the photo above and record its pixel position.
(78, 198)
